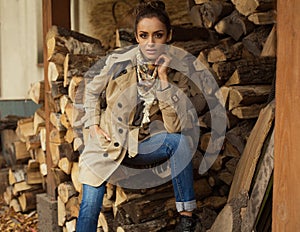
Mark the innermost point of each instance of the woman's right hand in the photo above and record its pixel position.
(96, 130)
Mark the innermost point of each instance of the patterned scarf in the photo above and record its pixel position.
(147, 84)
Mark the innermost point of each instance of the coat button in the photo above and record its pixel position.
(120, 119)
(105, 155)
(120, 105)
(116, 144)
(120, 130)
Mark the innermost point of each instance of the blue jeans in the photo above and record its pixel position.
(174, 147)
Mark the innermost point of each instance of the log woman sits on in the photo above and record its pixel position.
(142, 123)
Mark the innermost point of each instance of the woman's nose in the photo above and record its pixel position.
(151, 40)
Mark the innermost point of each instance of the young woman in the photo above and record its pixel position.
(144, 119)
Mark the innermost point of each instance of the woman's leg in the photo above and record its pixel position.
(90, 207)
(176, 148)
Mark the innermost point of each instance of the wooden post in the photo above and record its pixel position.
(55, 12)
(286, 202)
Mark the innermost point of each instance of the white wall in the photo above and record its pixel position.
(20, 37)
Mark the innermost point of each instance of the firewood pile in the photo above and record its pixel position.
(236, 41)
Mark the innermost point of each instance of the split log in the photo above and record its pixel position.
(34, 175)
(8, 194)
(65, 165)
(74, 177)
(260, 187)
(65, 121)
(211, 144)
(38, 120)
(61, 40)
(72, 208)
(66, 190)
(258, 71)
(247, 7)
(21, 152)
(57, 89)
(56, 136)
(59, 176)
(71, 134)
(236, 138)
(78, 65)
(248, 112)
(25, 128)
(55, 72)
(234, 25)
(246, 166)
(269, 48)
(53, 103)
(247, 95)
(63, 101)
(55, 119)
(78, 144)
(24, 187)
(74, 114)
(16, 176)
(61, 212)
(59, 151)
(76, 89)
(193, 47)
(215, 202)
(202, 188)
(254, 41)
(28, 200)
(37, 92)
(149, 207)
(210, 12)
(263, 18)
(71, 225)
(224, 53)
(43, 138)
(9, 122)
(15, 205)
(33, 142)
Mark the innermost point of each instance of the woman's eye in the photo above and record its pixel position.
(159, 35)
(143, 36)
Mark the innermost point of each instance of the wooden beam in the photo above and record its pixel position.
(286, 201)
(55, 12)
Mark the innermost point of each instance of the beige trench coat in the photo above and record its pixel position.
(100, 158)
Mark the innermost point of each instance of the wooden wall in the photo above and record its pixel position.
(286, 203)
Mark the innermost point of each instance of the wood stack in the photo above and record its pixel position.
(25, 178)
(237, 45)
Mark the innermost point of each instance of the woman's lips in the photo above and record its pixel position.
(151, 52)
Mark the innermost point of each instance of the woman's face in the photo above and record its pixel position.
(151, 34)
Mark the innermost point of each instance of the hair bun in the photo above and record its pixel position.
(156, 4)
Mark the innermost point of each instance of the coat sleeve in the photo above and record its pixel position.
(92, 100)
(173, 103)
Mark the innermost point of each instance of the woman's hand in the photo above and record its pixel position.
(96, 130)
(163, 62)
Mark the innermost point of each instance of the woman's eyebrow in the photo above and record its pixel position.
(153, 32)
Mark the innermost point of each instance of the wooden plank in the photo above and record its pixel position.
(259, 188)
(247, 164)
(286, 204)
(55, 12)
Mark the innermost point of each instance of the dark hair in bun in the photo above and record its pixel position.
(152, 8)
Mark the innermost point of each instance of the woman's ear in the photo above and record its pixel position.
(170, 36)
(136, 38)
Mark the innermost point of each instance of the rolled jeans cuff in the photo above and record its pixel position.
(186, 206)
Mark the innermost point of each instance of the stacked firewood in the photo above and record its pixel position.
(26, 160)
(236, 44)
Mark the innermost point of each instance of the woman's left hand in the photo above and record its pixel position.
(163, 62)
